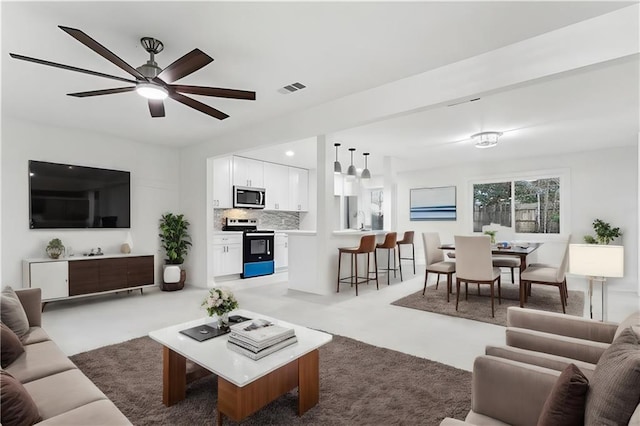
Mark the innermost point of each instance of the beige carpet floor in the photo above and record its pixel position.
(360, 384)
(478, 308)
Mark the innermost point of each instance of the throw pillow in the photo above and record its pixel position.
(10, 346)
(12, 313)
(565, 404)
(615, 386)
(17, 406)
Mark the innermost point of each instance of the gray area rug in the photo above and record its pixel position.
(478, 308)
(360, 384)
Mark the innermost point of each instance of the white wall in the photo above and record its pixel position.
(154, 190)
(603, 184)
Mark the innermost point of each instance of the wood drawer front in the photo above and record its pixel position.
(140, 271)
(113, 274)
(84, 277)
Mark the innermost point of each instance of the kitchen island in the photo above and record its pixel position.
(313, 261)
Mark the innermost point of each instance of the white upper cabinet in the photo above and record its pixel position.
(222, 183)
(248, 172)
(276, 181)
(298, 189)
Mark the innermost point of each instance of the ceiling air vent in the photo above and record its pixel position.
(290, 88)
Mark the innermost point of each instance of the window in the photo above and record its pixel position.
(530, 206)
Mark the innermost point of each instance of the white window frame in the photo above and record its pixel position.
(564, 176)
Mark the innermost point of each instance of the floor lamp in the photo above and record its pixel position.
(597, 262)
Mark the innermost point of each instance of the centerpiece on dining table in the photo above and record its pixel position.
(220, 301)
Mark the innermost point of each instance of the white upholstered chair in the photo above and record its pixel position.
(474, 264)
(548, 275)
(435, 263)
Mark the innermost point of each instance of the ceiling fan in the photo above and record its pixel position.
(151, 81)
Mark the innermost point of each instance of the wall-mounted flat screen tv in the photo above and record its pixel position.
(70, 196)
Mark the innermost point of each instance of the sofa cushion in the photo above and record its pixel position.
(10, 346)
(631, 320)
(615, 389)
(565, 403)
(97, 413)
(35, 335)
(62, 392)
(39, 360)
(12, 313)
(17, 407)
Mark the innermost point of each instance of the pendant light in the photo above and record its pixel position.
(366, 174)
(351, 171)
(337, 167)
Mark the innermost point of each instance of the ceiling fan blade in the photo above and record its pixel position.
(197, 105)
(70, 68)
(156, 108)
(215, 91)
(184, 66)
(102, 51)
(102, 92)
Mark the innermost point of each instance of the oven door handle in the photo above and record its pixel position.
(259, 234)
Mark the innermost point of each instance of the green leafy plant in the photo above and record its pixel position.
(604, 233)
(55, 248)
(174, 237)
(492, 234)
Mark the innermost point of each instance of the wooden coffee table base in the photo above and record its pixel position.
(237, 402)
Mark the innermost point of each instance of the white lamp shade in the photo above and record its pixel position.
(596, 260)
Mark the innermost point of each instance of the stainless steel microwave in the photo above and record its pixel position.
(248, 198)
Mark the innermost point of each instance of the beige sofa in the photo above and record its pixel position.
(511, 383)
(61, 392)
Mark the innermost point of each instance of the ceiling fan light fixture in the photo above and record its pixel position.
(486, 139)
(151, 91)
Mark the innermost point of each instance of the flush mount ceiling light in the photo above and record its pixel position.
(351, 171)
(151, 91)
(486, 139)
(337, 167)
(366, 174)
(289, 153)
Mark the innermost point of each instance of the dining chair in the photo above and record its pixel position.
(367, 246)
(389, 244)
(507, 262)
(407, 239)
(435, 263)
(540, 273)
(474, 264)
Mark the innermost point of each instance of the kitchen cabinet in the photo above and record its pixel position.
(222, 182)
(298, 189)
(81, 276)
(227, 254)
(248, 172)
(281, 253)
(51, 277)
(276, 180)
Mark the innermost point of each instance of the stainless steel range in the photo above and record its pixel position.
(257, 247)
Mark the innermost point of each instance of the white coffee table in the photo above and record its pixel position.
(244, 385)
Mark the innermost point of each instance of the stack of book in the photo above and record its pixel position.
(259, 338)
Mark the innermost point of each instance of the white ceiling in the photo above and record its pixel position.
(336, 49)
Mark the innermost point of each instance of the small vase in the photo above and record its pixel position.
(223, 321)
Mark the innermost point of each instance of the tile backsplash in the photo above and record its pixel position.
(267, 219)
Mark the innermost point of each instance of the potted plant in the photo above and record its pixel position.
(176, 242)
(604, 233)
(55, 248)
(492, 234)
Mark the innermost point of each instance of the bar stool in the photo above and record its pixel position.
(390, 244)
(407, 239)
(367, 246)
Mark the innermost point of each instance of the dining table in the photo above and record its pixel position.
(521, 251)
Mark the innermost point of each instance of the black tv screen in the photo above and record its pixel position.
(70, 196)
